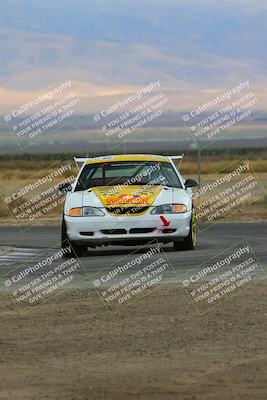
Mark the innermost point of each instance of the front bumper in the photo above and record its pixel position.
(128, 229)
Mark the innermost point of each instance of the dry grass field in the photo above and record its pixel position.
(13, 173)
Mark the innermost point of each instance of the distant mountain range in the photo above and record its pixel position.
(108, 48)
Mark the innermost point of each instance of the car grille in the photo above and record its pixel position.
(142, 230)
(114, 231)
(125, 232)
(126, 210)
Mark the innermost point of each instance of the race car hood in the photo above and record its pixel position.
(132, 195)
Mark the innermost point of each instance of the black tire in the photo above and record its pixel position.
(76, 250)
(189, 242)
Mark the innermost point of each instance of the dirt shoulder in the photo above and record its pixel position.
(158, 348)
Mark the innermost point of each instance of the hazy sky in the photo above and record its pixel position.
(109, 47)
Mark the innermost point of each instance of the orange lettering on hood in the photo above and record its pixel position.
(132, 194)
(132, 200)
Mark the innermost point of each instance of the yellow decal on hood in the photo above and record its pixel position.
(142, 195)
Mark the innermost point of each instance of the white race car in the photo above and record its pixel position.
(128, 200)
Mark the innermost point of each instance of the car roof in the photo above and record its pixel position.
(128, 157)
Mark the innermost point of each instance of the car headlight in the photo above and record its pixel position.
(169, 209)
(86, 212)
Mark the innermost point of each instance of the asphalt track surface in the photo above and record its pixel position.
(27, 247)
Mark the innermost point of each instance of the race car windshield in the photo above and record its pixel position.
(128, 173)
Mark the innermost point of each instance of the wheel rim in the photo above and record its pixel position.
(194, 229)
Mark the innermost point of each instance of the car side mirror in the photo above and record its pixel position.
(190, 183)
(65, 187)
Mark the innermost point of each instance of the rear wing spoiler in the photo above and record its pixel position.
(79, 161)
(82, 160)
(173, 158)
(176, 157)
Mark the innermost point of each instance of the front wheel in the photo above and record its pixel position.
(70, 248)
(189, 242)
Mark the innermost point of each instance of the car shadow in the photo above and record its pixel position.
(123, 251)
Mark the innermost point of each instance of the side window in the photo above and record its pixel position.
(97, 173)
(171, 175)
(85, 176)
